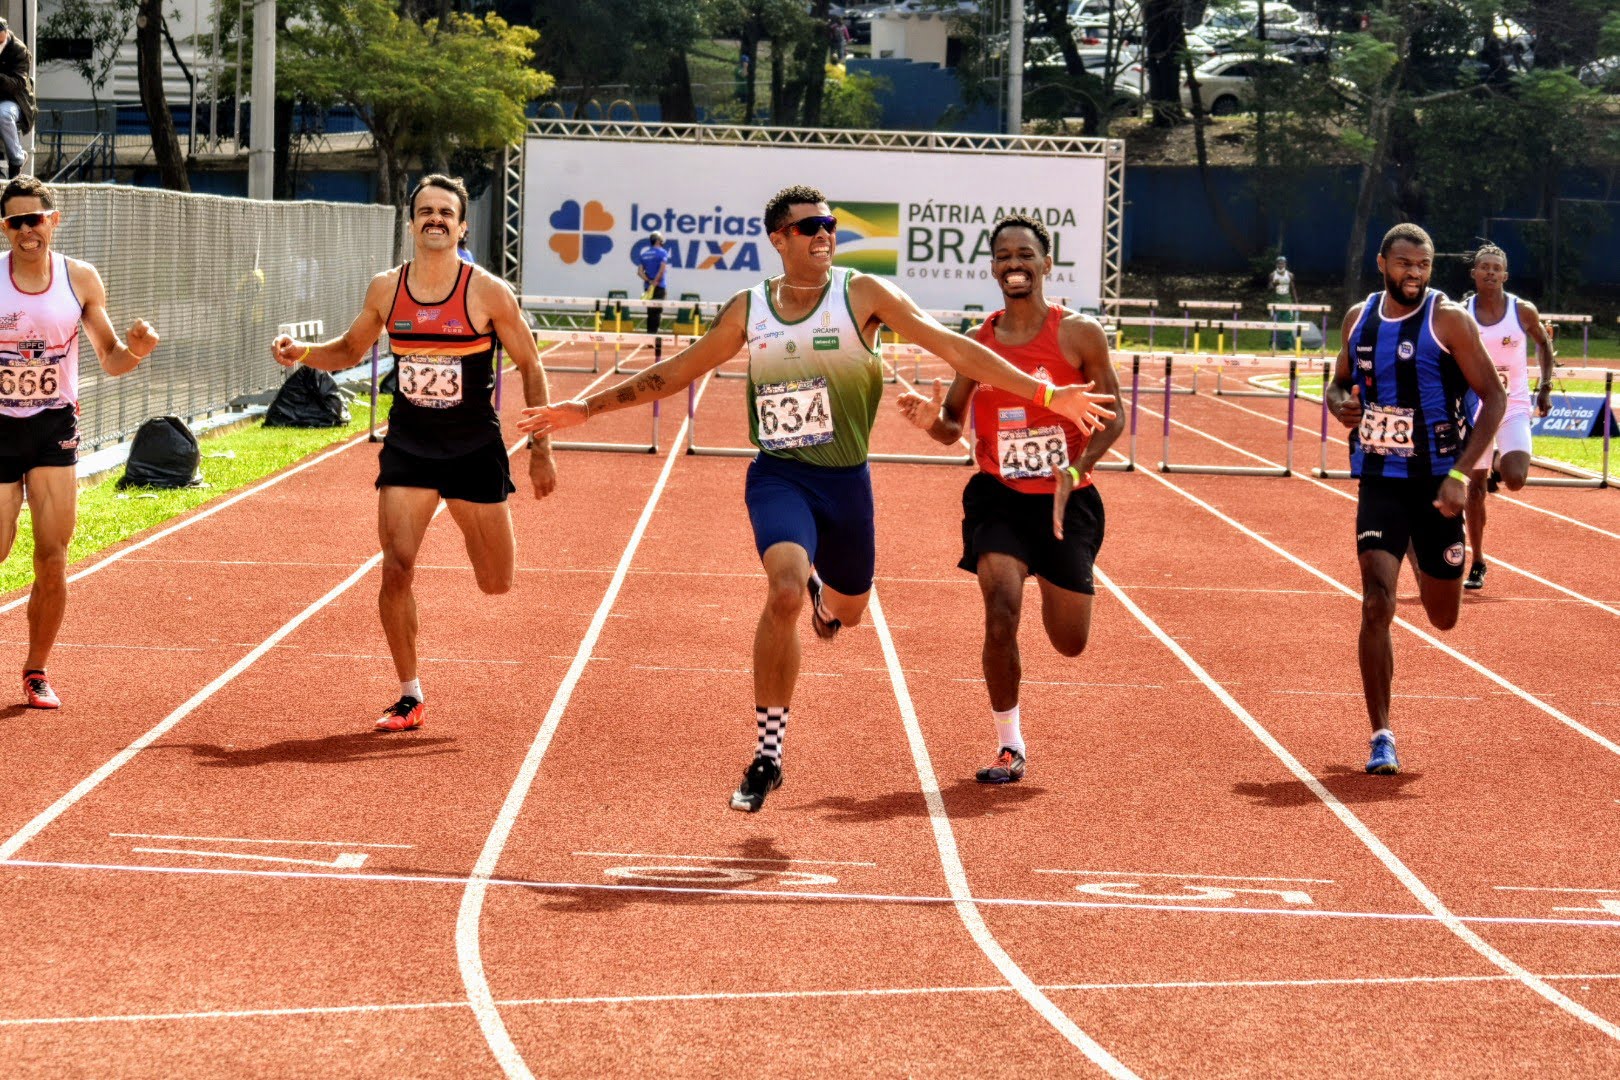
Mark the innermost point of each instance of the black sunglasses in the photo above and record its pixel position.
(27, 221)
(810, 226)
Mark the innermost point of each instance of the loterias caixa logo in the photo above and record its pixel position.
(581, 233)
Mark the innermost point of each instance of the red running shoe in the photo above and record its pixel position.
(402, 715)
(37, 691)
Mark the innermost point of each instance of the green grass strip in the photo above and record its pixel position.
(230, 461)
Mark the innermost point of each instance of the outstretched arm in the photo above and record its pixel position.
(344, 352)
(900, 313)
(506, 318)
(724, 339)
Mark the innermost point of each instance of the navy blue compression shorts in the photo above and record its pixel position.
(826, 511)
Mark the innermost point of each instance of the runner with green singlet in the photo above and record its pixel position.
(814, 385)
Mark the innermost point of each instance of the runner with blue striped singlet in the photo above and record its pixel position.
(1409, 357)
(814, 384)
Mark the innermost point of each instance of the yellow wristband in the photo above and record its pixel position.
(307, 348)
(1458, 474)
(1043, 394)
(1074, 473)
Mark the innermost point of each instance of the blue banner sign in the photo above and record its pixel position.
(1573, 416)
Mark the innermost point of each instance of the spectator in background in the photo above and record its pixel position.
(463, 254)
(17, 106)
(837, 37)
(652, 265)
(1282, 292)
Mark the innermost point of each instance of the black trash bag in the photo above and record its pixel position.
(164, 455)
(308, 398)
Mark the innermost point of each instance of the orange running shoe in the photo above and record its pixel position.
(38, 693)
(402, 715)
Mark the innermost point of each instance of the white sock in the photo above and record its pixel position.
(1384, 733)
(412, 689)
(1007, 733)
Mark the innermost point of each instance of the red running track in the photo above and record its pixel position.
(1195, 878)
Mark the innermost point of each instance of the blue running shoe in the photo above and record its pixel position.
(1383, 761)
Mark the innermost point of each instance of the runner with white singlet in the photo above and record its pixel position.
(44, 298)
(1507, 324)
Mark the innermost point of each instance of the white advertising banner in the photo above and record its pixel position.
(920, 218)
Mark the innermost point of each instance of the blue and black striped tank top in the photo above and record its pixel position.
(1413, 422)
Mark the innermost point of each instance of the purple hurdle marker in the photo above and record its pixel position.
(373, 436)
(1608, 419)
(1325, 370)
(1164, 463)
(1293, 395)
(1136, 397)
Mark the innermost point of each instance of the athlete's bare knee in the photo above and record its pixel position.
(1514, 481)
(1001, 613)
(397, 571)
(1443, 619)
(1071, 643)
(1377, 607)
(50, 565)
(785, 598)
(493, 584)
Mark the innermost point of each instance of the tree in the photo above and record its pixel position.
(427, 89)
(149, 32)
(102, 23)
(1164, 39)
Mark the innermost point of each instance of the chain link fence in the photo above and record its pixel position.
(215, 277)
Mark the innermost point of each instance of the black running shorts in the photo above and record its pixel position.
(1392, 511)
(995, 518)
(49, 438)
(482, 476)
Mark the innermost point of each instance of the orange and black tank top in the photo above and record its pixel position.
(446, 372)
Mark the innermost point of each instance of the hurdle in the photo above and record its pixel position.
(1236, 325)
(1573, 477)
(592, 307)
(1583, 321)
(1188, 306)
(1322, 309)
(1129, 464)
(640, 341)
(1237, 361)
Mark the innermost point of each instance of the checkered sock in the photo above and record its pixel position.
(1007, 733)
(772, 722)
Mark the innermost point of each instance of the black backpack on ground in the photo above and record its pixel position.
(164, 455)
(308, 398)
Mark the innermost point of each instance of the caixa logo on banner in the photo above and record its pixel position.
(581, 233)
(1574, 416)
(709, 241)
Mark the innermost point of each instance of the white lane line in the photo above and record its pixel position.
(728, 671)
(1427, 638)
(776, 995)
(1075, 682)
(99, 646)
(1187, 908)
(246, 840)
(956, 873)
(420, 659)
(1549, 888)
(468, 957)
(1380, 850)
(715, 858)
(162, 728)
(187, 522)
(1358, 693)
(1200, 877)
(344, 861)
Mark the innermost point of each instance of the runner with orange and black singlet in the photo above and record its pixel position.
(1408, 359)
(1032, 508)
(44, 298)
(443, 318)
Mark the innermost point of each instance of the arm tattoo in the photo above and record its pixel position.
(650, 382)
(627, 395)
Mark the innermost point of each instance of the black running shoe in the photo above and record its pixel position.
(1008, 768)
(825, 628)
(1476, 577)
(763, 777)
(1493, 480)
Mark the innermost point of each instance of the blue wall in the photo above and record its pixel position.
(920, 96)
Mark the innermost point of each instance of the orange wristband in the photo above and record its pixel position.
(1043, 394)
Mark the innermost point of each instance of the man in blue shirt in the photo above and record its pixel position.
(652, 265)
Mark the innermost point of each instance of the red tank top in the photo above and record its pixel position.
(446, 373)
(1016, 441)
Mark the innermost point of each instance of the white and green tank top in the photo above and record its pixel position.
(813, 385)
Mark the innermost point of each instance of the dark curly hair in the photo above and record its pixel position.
(776, 211)
(1489, 249)
(1406, 230)
(1024, 221)
(22, 187)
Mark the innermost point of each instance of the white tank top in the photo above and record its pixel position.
(1507, 346)
(39, 342)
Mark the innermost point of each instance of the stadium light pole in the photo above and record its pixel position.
(1015, 67)
(262, 151)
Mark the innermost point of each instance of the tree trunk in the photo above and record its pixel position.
(1372, 174)
(750, 53)
(1164, 35)
(283, 183)
(1217, 209)
(675, 91)
(149, 67)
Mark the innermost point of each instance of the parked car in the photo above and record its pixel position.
(1226, 82)
(1229, 27)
